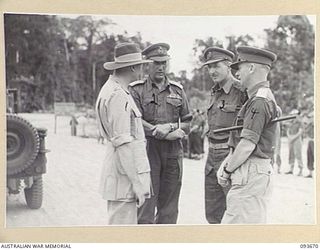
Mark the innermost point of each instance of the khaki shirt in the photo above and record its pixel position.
(120, 123)
(224, 106)
(255, 116)
(159, 106)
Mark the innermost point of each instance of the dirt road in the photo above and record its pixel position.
(71, 186)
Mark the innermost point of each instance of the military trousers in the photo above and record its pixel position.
(122, 213)
(195, 143)
(310, 155)
(165, 159)
(250, 193)
(295, 153)
(215, 195)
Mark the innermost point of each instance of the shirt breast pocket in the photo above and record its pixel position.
(173, 108)
(149, 109)
(227, 114)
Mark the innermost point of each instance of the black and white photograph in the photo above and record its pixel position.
(153, 120)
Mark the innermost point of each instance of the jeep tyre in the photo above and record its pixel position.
(22, 144)
(34, 193)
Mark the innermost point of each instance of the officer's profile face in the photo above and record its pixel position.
(158, 70)
(218, 71)
(243, 73)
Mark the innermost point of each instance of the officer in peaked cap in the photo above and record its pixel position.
(157, 52)
(166, 117)
(227, 97)
(254, 55)
(248, 167)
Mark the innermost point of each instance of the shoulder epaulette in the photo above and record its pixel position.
(263, 92)
(137, 83)
(266, 93)
(176, 84)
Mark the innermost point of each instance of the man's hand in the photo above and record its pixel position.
(140, 194)
(161, 131)
(222, 176)
(177, 134)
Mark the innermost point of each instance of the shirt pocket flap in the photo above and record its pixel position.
(264, 169)
(230, 108)
(174, 101)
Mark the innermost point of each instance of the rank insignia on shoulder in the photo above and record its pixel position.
(176, 84)
(175, 96)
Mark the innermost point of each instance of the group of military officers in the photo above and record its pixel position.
(144, 122)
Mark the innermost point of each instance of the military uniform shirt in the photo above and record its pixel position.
(159, 106)
(120, 122)
(224, 105)
(255, 116)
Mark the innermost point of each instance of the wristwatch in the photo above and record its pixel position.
(172, 127)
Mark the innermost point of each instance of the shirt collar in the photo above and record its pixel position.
(226, 87)
(253, 91)
(116, 81)
(154, 85)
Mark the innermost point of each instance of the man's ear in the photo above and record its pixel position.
(252, 67)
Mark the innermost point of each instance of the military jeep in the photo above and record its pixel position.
(26, 155)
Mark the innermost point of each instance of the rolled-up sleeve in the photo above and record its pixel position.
(255, 119)
(185, 114)
(120, 119)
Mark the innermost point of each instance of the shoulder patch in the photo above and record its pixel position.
(137, 83)
(176, 84)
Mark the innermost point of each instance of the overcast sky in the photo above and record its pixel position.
(181, 31)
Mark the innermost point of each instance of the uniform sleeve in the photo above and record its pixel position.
(185, 114)
(120, 119)
(136, 98)
(255, 119)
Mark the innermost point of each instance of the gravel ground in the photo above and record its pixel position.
(71, 183)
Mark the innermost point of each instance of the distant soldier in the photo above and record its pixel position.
(248, 167)
(197, 126)
(73, 125)
(294, 134)
(310, 149)
(277, 151)
(125, 180)
(227, 97)
(166, 116)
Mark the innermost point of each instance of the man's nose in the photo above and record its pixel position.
(237, 74)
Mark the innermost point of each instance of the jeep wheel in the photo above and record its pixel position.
(22, 144)
(34, 194)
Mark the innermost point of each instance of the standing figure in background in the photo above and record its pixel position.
(310, 149)
(197, 126)
(166, 117)
(294, 133)
(277, 151)
(73, 124)
(227, 98)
